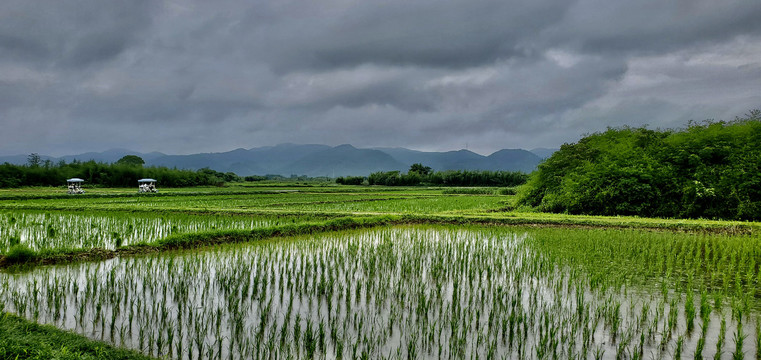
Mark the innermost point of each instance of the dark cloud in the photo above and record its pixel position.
(447, 34)
(69, 33)
(186, 76)
(653, 26)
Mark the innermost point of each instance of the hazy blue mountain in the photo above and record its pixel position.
(514, 159)
(461, 160)
(316, 160)
(256, 161)
(345, 160)
(439, 161)
(275, 159)
(109, 156)
(21, 159)
(507, 159)
(543, 153)
(407, 156)
(238, 161)
(152, 155)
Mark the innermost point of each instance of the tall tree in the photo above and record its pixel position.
(131, 160)
(420, 169)
(34, 160)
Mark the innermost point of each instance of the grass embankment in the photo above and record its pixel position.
(22, 339)
(619, 222)
(22, 256)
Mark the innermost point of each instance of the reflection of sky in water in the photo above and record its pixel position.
(87, 230)
(434, 292)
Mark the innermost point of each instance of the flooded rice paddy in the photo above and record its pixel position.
(107, 230)
(425, 292)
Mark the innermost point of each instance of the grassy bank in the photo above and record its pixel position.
(22, 256)
(617, 292)
(22, 339)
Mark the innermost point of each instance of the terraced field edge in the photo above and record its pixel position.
(24, 258)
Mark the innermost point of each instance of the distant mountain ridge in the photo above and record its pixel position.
(319, 160)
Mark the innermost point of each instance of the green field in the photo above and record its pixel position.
(322, 271)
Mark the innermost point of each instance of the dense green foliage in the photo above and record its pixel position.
(420, 169)
(132, 160)
(350, 180)
(449, 178)
(19, 253)
(252, 178)
(112, 175)
(22, 339)
(708, 170)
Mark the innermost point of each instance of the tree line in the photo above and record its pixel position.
(423, 175)
(706, 170)
(123, 173)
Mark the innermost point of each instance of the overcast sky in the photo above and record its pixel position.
(200, 76)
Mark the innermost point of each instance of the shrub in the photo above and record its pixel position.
(449, 178)
(707, 170)
(19, 253)
(469, 191)
(350, 180)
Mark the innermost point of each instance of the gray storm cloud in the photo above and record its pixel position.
(196, 76)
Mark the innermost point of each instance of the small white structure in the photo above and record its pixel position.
(147, 186)
(75, 186)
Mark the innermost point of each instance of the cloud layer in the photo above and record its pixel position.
(192, 76)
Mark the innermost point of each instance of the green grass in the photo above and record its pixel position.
(333, 201)
(295, 225)
(453, 291)
(713, 263)
(19, 253)
(22, 339)
(62, 230)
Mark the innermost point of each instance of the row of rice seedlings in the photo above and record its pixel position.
(405, 292)
(287, 199)
(373, 202)
(61, 230)
(438, 204)
(723, 265)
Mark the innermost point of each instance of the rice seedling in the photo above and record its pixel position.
(721, 338)
(739, 338)
(109, 230)
(407, 292)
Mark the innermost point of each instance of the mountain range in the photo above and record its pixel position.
(319, 160)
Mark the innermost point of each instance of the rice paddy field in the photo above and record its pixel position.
(326, 272)
(40, 230)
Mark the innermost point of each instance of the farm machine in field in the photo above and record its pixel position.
(74, 186)
(146, 186)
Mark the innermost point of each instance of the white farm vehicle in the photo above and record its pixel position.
(146, 186)
(74, 186)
